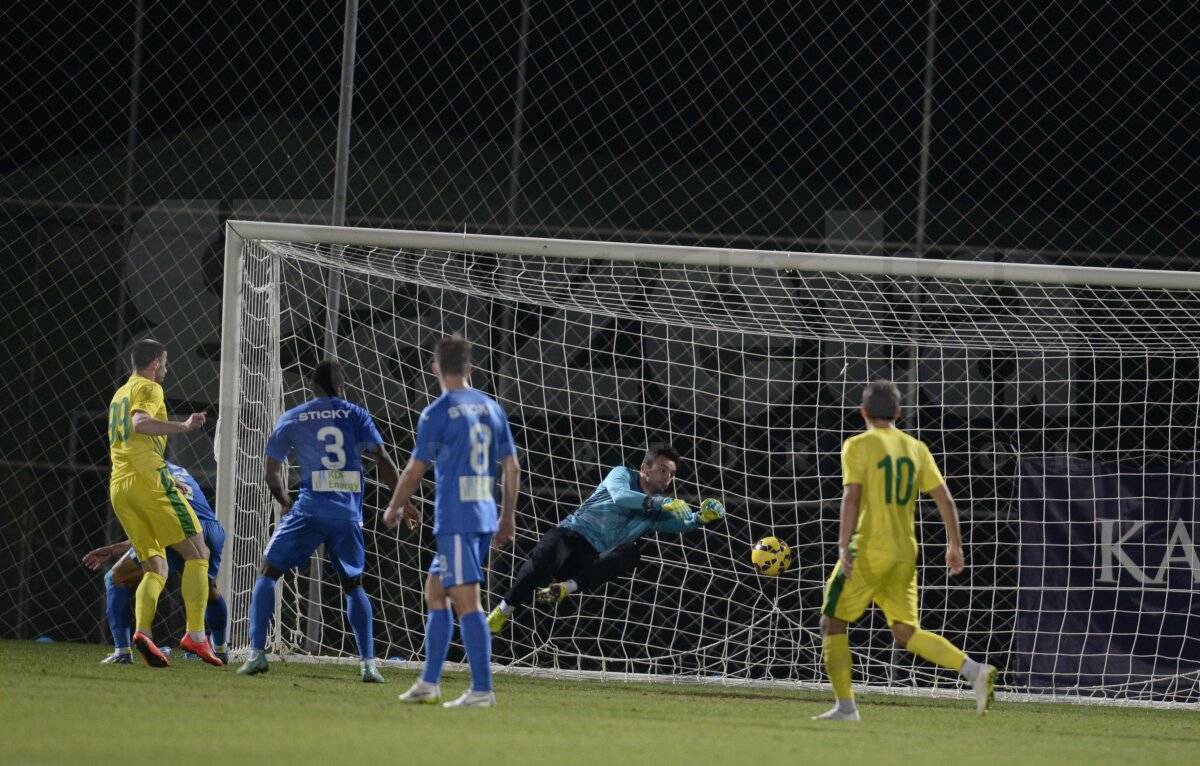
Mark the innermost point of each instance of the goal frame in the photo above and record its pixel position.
(238, 233)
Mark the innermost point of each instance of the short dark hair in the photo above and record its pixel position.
(453, 354)
(327, 378)
(663, 449)
(881, 398)
(145, 352)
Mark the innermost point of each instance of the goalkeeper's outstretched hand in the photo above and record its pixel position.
(711, 510)
(675, 506)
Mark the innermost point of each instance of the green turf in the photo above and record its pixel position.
(59, 706)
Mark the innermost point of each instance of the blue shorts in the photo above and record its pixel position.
(214, 540)
(460, 558)
(297, 536)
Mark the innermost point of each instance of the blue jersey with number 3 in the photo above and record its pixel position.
(464, 434)
(327, 436)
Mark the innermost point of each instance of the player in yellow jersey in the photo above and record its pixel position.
(883, 469)
(153, 512)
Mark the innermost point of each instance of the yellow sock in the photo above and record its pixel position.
(939, 651)
(195, 593)
(145, 600)
(838, 664)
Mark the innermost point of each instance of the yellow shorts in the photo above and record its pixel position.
(890, 583)
(153, 512)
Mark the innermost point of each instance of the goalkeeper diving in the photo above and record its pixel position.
(599, 542)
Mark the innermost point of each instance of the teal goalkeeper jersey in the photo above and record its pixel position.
(616, 514)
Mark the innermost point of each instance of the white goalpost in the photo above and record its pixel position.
(1060, 402)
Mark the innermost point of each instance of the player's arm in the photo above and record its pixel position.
(511, 471)
(388, 473)
(99, 558)
(677, 523)
(147, 425)
(847, 523)
(617, 484)
(406, 485)
(274, 478)
(949, 513)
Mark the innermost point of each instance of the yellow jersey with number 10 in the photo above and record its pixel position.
(132, 453)
(893, 469)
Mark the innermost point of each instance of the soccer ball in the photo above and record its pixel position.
(771, 556)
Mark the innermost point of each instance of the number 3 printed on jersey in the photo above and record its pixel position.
(336, 459)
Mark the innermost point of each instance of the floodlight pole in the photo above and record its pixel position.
(336, 285)
(912, 379)
(514, 178)
(341, 174)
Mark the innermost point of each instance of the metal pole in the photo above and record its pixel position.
(131, 138)
(341, 172)
(917, 293)
(514, 178)
(336, 285)
(926, 129)
(912, 379)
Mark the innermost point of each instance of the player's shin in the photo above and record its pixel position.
(936, 649)
(839, 664)
(262, 605)
(146, 600)
(477, 641)
(195, 596)
(116, 604)
(216, 615)
(358, 612)
(439, 628)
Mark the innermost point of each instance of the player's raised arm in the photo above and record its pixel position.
(147, 425)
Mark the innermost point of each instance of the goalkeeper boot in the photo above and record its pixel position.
(422, 693)
(984, 687)
(118, 658)
(552, 595)
(370, 673)
(837, 714)
(152, 654)
(201, 649)
(496, 620)
(473, 699)
(255, 665)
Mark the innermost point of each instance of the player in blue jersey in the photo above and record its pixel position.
(126, 573)
(466, 434)
(599, 541)
(326, 435)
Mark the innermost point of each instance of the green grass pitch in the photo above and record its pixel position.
(59, 706)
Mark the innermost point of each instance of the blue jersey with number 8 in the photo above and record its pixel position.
(327, 436)
(464, 434)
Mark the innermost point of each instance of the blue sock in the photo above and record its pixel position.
(358, 611)
(439, 629)
(120, 617)
(262, 606)
(478, 643)
(216, 614)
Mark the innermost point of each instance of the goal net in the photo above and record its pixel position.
(1061, 404)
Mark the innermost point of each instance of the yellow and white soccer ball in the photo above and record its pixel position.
(771, 556)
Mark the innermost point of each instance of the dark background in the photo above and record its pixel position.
(1059, 133)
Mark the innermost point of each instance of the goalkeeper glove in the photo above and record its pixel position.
(672, 505)
(711, 510)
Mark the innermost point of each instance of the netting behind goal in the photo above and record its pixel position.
(1063, 416)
